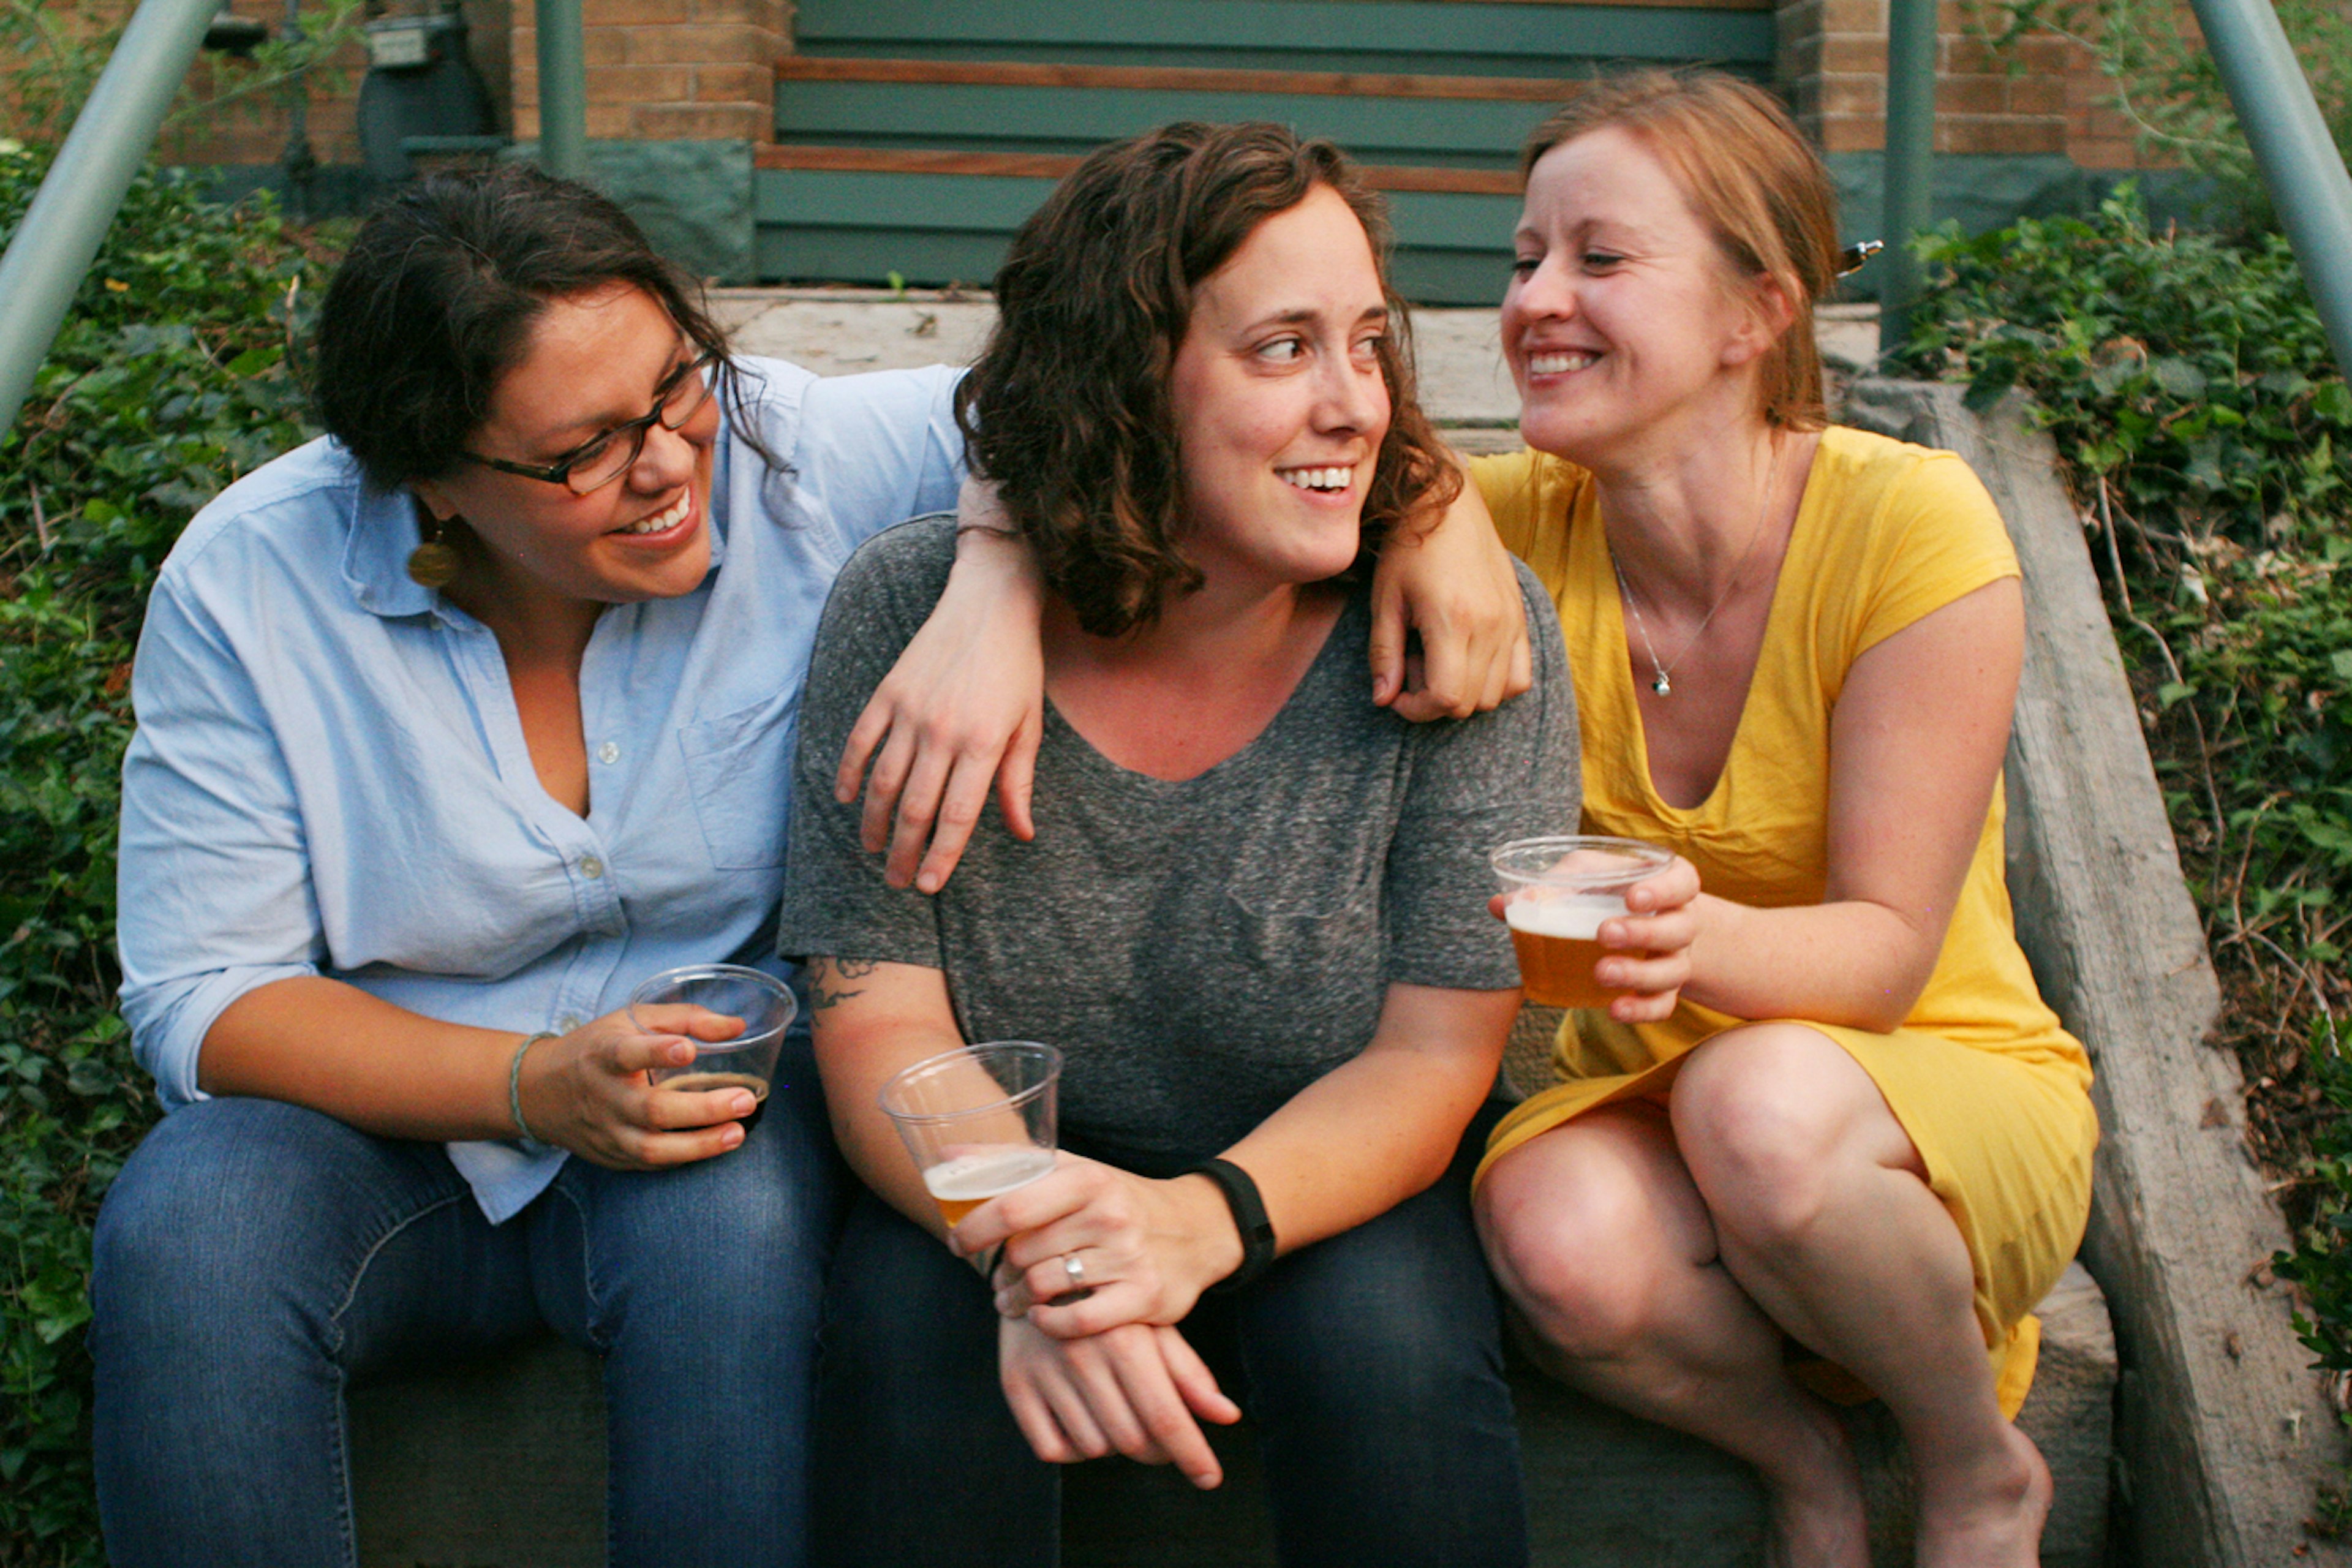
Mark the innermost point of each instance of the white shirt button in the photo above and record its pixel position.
(591, 867)
(569, 1022)
(609, 752)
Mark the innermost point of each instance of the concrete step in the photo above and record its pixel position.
(1464, 386)
(501, 1464)
(1608, 1491)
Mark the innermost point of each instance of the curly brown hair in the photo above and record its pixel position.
(1752, 177)
(1067, 408)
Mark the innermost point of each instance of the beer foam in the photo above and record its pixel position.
(1575, 916)
(973, 1178)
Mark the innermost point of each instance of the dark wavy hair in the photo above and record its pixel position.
(1067, 408)
(1752, 177)
(437, 297)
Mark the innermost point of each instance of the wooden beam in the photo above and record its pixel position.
(1176, 78)
(2224, 1433)
(1056, 166)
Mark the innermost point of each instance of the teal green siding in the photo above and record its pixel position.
(1293, 34)
(935, 228)
(1419, 131)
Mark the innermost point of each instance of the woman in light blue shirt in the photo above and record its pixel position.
(454, 727)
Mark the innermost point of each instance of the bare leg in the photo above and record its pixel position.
(1823, 1214)
(1600, 1238)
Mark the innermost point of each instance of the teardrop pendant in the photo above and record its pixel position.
(1662, 686)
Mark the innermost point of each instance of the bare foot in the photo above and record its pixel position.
(1817, 1512)
(1990, 1516)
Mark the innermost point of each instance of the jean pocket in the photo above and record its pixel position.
(739, 773)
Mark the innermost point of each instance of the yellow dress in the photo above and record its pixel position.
(1993, 1091)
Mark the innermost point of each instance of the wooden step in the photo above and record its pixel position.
(935, 217)
(1055, 167)
(1173, 78)
(912, 139)
(1022, 108)
(1429, 36)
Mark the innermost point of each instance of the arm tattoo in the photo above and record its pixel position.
(823, 994)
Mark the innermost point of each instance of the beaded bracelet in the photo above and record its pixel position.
(514, 1086)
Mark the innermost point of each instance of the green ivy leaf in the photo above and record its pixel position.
(2177, 376)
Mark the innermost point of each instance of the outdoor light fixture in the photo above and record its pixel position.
(231, 33)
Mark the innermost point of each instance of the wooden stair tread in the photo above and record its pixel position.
(1171, 78)
(1056, 166)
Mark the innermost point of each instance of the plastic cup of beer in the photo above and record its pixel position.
(1556, 892)
(979, 1120)
(749, 1060)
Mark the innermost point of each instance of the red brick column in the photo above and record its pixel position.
(2031, 97)
(664, 70)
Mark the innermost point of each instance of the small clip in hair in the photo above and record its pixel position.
(1855, 257)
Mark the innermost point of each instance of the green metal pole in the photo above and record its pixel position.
(59, 235)
(563, 91)
(1910, 156)
(2300, 163)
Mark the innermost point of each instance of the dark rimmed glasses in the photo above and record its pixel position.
(602, 458)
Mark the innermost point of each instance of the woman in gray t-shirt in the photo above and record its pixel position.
(1254, 915)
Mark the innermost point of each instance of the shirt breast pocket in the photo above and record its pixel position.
(1301, 919)
(739, 773)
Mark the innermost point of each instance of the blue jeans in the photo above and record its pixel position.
(1370, 1365)
(255, 1259)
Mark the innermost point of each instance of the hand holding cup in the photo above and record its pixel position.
(678, 1000)
(1597, 922)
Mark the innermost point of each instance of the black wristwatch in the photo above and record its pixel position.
(1249, 1219)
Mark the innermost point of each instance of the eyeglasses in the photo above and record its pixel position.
(602, 458)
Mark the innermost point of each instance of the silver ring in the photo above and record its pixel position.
(1073, 1270)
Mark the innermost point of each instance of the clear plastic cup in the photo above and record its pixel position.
(979, 1120)
(1557, 893)
(765, 1004)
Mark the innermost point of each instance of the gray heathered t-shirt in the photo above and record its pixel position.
(1201, 949)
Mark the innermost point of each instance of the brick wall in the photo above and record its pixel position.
(657, 70)
(662, 70)
(2041, 94)
(252, 128)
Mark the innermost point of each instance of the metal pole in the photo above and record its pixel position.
(563, 91)
(1910, 157)
(2299, 162)
(62, 230)
(297, 161)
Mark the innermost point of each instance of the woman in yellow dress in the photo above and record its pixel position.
(1831, 1106)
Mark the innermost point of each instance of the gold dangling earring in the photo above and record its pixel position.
(435, 562)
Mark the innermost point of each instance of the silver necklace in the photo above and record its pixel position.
(1661, 670)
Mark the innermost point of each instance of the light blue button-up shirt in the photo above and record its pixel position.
(330, 775)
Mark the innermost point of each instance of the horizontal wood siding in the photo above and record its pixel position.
(914, 136)
(1412, 37)
(1451, 247)
(1186, 78)
(1059, 166)
(1058, 119)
